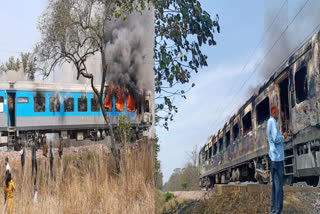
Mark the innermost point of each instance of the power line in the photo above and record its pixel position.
(258, 64)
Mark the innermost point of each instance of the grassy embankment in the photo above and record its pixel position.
(296, 200)
(87, 183)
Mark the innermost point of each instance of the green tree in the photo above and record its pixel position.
(13, 64)
(159, 179)
(26, 62)
(182, 28)
(183, 179)
(157, 167)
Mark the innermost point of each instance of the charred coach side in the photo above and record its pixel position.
(239, 150)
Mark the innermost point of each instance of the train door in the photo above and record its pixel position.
(11, 109)
(284, 104)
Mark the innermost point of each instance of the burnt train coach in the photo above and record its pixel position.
(239, 150)
(30, 110)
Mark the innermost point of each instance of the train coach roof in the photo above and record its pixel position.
(44, 86)
(298, 52)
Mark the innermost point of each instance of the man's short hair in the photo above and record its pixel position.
(7, 159)
(273, 108)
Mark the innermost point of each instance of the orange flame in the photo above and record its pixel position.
(131, 105)
(119, 100)
(108, 98)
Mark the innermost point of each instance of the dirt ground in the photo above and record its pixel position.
(297, 200)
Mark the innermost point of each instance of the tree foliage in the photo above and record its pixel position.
(182, 28)
(12, 64)
(183, 179)
(29, 65)
(157, 165)
(26, 62)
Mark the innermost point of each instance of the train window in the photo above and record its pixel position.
(131, 104)
(1, 104)
(69, 104)
(119, 99)
(215, 149)
(263, 111)
(227, 138)
(301, 84)
(39, 103)
(247, 124)
(82, 104)
(95, 105)
(146, 106)
(210, 151)
(235, 131)
(139, 106)
(220, 144)
(54, 105)
(22, 99)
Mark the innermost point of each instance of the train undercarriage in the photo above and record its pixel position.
(301, 164)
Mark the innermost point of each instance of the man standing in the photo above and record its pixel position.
(276, 154)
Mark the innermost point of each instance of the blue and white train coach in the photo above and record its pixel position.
(31, 109)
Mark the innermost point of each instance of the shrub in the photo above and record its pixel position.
(168, 196)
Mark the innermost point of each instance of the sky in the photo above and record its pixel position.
(18, 20)
(236, 65)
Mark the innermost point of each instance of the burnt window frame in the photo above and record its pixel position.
(220, 144)
(215, 149)
(243, 124)
(260, 120)
(298, 96)
(214, 146)
(234, 138)
(96, 107)
(147, 106)
(228, 143)
(54, 97)
(210, 151)
(34, 103)
(206, 154)
(64, 104)
(86, 101)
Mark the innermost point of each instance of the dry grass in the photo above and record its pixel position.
(87, 183)
(295, 202)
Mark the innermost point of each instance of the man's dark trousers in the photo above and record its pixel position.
(277, 187)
